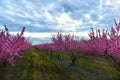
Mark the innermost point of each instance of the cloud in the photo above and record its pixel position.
(49, 35)
(51, 16)
(66, 23)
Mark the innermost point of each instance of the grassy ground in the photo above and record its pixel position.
(37, 65)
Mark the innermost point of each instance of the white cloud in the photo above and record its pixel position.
(48, 16)
(28, 22)
(100, 17)
(11, 19)
(108, 3)
(87, 16)
(65, 22)
(118, 1)
(36, 24)
(36, 15)
(49, 35)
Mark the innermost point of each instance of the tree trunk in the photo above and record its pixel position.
(4, 62)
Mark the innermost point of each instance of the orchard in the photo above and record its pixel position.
(65, 58)
(101, 42)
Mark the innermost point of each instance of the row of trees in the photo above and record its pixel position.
(12, 46)
(100, 42)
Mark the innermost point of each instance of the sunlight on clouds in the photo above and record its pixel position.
(118, 1)
(65, 22)
(108, 3)
(100, 17)
(63, 18)
(87, 16)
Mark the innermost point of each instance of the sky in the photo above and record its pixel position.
(43, 18)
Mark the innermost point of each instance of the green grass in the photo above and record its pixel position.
(37, 65)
